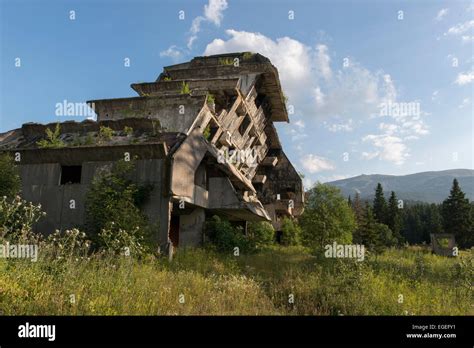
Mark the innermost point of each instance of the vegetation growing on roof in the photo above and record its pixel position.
(89, 140)
(247, 55)
(128, 130)
(211, 99)
(105, 133)
(53, 139)
(185, 88)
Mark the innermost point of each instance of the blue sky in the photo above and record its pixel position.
(346, 67)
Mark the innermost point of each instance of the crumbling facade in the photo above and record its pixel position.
(202, 134)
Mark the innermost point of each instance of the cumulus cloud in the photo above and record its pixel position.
(213, 13)
(320, 92)
(303, 68)
(465, 78)
(172, 52)
(390, 148)
(291, 57)
(314, 164)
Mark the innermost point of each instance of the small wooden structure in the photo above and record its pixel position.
(443, 244)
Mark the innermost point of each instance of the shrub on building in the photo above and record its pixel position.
(113, 197)
(53, 138)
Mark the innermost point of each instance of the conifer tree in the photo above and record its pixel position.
(366, 233)
(394, 217)
(380, 205)
(457, 217)
(358, 208)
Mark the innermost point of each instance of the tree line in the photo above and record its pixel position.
(413, 223)
(383, 223)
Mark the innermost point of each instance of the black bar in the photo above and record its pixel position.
(243, 330)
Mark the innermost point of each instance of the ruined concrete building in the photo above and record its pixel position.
(203, 134)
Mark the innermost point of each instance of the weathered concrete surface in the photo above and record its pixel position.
(191, 227)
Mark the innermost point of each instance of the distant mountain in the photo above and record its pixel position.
(431, 187)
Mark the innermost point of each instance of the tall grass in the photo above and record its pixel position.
(203, 282)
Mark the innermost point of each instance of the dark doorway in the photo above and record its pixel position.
(174, 230)
(70, 175)
(278, 236)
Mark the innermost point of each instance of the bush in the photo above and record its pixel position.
(326, 218)
(17, 218)
(105, 133)
(118, 241)
(113, 197)
(260, 234)
(9, 177)
(224, 236)
(386, 238)
(68, 244)
(291, 232)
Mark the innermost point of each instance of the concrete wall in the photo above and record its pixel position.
(191, 227)
(64, 204)
(176, 114)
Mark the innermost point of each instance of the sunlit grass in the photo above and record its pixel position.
(201, 282)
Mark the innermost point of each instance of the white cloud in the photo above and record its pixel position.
(340, 127)
(323, 61)
(443, 12)
(369, 155)
(301, 68)
(318, 97)
(391, 148)
(465, 78)
(172, 52)
(319, 92)
(314, 164)
(460, 28)
(291, 57)
(467, 38)
(434, 96)
(388, 128)
(214, 11)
